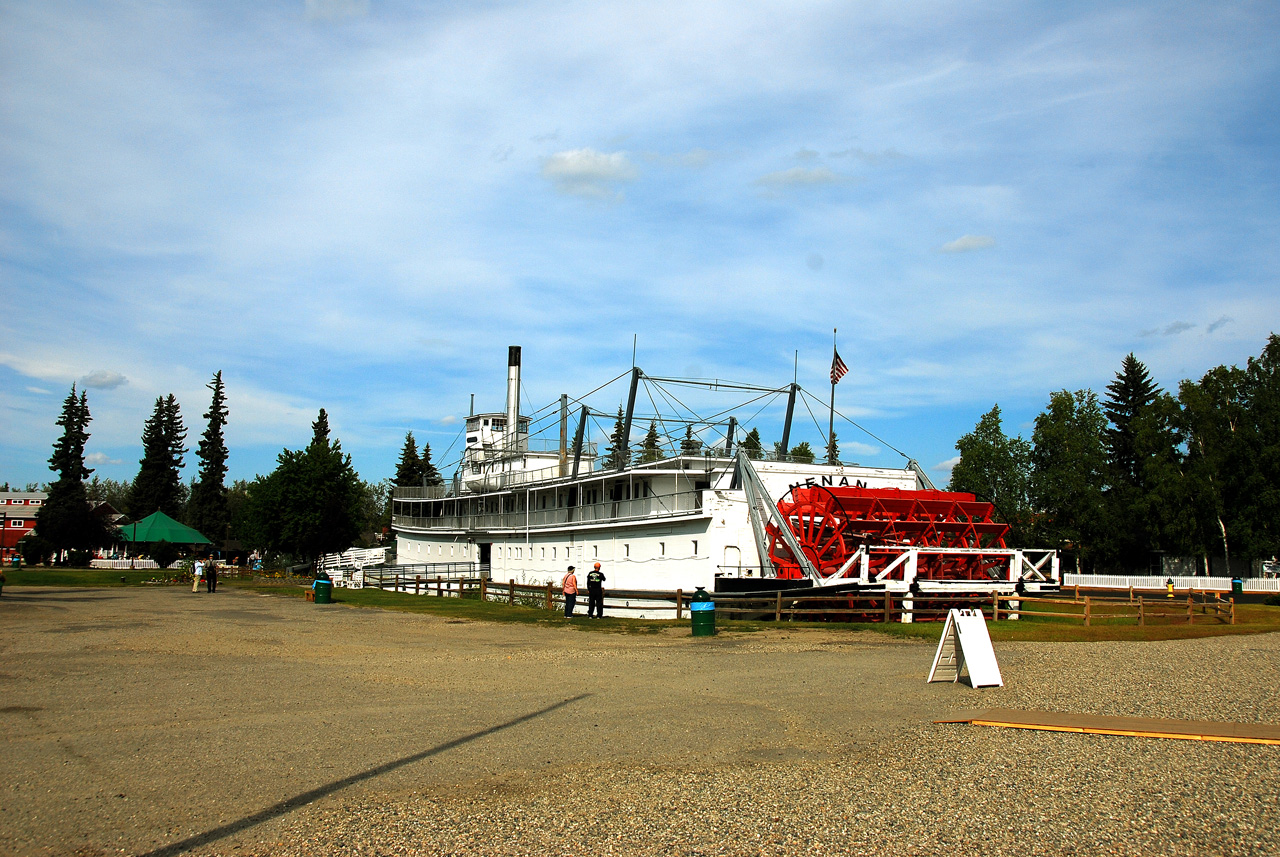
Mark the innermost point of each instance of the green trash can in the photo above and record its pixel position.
(324, 591)
(702, 610)
(1237, 586)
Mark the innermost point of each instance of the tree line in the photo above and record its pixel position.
(312, 503)
(1141, 473)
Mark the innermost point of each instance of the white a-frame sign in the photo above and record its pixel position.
(965, 642)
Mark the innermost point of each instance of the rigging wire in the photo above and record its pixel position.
(821, 433)
(868, 432)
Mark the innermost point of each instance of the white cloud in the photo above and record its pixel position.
(104, 380)
(965, 243)
(1169, 330)
(588, 173)
(1221, 321)
(449, 420)
(801, 177)
(38, 390)
(100, 458)
(946, 466)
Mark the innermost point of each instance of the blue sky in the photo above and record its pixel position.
(359, 205)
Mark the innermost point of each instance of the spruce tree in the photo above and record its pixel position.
(1148, 505)
(64, 521)
(690, 445)
(409, 468)
(430, 475)
(752, 445)
(619, 453)
(320, 429)
(158, 485)
(802, 453)
(207, 512)
(1131, 394)
(649, 448)
(833, 450)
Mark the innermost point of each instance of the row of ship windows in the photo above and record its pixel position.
(517, 551)
(12, 502)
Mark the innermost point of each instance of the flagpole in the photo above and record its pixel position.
(831, 421)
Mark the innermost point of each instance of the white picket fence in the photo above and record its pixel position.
(1180, 582)
(140, 564)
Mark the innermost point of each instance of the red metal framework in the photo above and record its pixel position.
(843, 530)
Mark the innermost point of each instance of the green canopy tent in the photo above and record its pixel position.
(159, 527)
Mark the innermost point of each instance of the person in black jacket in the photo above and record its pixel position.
(595, 592)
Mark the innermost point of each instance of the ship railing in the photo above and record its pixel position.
(427, 492)
(410, 577)
(610, 511)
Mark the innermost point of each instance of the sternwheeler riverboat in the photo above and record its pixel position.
(697, 514)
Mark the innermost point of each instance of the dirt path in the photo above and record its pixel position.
(137, 718)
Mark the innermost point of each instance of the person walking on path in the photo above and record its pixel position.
(211, 576)
(570, 590)
(197, 569)
(595, 593)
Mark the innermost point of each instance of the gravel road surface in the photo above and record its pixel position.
(157, 721)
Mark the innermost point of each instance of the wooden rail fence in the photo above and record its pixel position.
(852, 607)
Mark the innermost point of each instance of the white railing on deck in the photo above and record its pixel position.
(346, 569)
(1155, 581)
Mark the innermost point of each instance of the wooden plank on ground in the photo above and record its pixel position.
(1137, 727)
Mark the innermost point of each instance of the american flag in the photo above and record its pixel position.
(838, 369)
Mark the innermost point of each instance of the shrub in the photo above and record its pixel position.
(164, 554)
(77, 559)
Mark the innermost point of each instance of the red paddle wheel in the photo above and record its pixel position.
(950, 530)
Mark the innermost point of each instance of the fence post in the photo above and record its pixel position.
(439, 586)
(1233, 610)
(1077, 592)
(1142, 612)
(548, 595)
(888, 607)
(511, 592)
(1086, 610)
(777, 607)
(1130, 593)
(995, 606)
(484, 589)
(1190, 608)
(679, 603)
(417, 584)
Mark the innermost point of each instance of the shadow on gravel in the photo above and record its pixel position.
(58, 597)
(289, 804)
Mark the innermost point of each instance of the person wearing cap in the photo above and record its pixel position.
(595, 592)
(570, 590)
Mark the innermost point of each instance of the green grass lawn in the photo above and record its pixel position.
(1250, 618)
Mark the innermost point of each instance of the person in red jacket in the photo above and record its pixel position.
(570, 590)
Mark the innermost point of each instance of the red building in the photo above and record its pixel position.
(18, 516)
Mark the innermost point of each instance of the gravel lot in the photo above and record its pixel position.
(158, 721)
